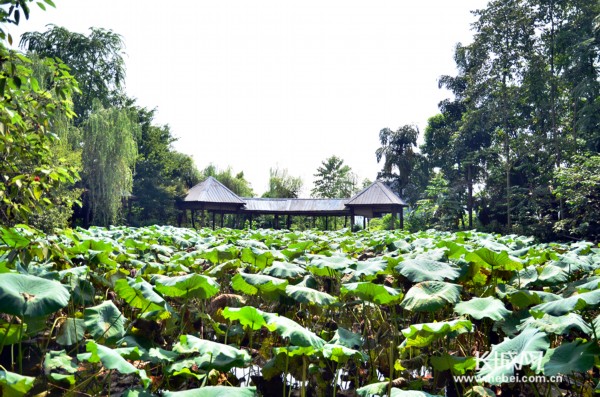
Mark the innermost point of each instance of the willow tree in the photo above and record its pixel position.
(109, 154)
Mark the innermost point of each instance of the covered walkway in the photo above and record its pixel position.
(212, 196)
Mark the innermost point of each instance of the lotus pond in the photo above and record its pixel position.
(164, 311)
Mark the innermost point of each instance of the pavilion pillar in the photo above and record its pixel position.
(202, 220)
(352, 219)
(222, 216)
(213, 220)
(392, 220)
(250, 221)
(401, 217)
(345, 221)
(192, 216)
(314, 222)
(276, 221)
(326, 223)
(289, 222)
(364, 222)
(335, 223)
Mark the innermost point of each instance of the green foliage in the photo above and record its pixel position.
(109, 155)
(377, 302)
(283, 185)
(579, 186)
(236, 183)
(334, 179)
(95, 60)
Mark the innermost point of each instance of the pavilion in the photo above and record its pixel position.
(214, 197)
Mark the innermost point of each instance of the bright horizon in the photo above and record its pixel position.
(265, 84)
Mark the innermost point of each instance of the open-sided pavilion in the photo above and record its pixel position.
(215, 198)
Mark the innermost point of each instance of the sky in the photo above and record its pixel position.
(261, 84)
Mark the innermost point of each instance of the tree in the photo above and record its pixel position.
(96, 61)
(399, 157)
(29, 173)
(334, 179)
(283, 185)
(236, 183)
(109, 155)
(162, 175)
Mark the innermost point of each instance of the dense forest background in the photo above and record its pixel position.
(515, 149)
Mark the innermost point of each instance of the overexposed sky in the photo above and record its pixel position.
(258, 84)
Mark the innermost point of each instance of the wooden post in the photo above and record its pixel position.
(335, 223)
(345, 220)
(401, 217)
(364, 222)
(289, 222)
(202, 220)
(326, 223)
(392, 223)
(250, 221)
(222, 216)
(213, 220)
(352, 220)
(276, 221)
(192, 215)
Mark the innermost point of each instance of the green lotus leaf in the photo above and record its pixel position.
(212, 355)
(368, 270)
(525, 276)
(346, 338)
(309, 296)
(253, 283)
(285, 270)
(30, 296)
(111, 359)
(140, 294)
(560, 325)
(493, 259)
(526, 298)
(525, 349)
(421, 335)
(341, 354)
(297, 249)
(328, 266)
(570, 357)
(9, 333)
(258, 257)
(417, 270)
(479, 308)
(372, 292)
(454, 364)
(293, 351)
(373, 389)
(297, 334)
(214, 391)
(429, 296)
(105, 322)
(59, 360)
(14, 385)
(552, 275)
(192, 285)
(71, 331)
(570, 304)
(221, 253)
(248, 316)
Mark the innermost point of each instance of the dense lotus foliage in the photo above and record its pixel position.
(167, 311)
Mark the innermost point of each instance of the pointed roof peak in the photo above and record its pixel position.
(212, 191)
(375, 194)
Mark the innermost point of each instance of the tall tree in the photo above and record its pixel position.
(283, 185)
(400, 158)
(236, 183)
(334, 179)
(30, 174)
(109, 155)
(96, 61)
(162, 175)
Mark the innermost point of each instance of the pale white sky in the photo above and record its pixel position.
(264, 83)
